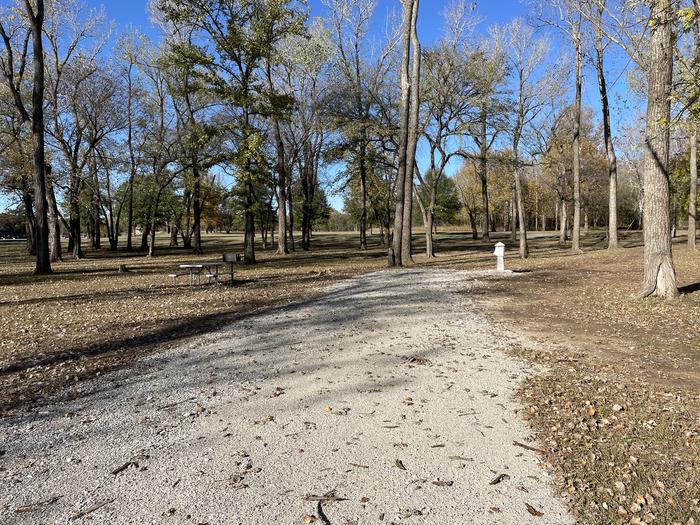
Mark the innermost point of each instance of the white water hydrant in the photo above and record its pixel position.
(500, 253)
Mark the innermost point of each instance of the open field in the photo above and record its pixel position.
(618, 409)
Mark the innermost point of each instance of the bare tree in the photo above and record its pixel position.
(526, 55)
(448, 92)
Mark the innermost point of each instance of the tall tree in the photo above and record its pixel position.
(659, 271)
(14, 73)
(395, 252)
(598, 8)
(526, 55)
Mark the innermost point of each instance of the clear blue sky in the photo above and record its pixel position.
(126, 12)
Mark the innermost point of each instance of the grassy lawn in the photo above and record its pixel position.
(617, 409)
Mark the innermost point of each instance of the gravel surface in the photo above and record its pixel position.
(388, 399)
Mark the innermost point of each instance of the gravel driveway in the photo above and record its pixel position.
(387, 400)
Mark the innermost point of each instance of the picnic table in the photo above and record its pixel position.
(195, 270)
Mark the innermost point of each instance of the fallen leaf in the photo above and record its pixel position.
(309, 518)
(399, 464)
(532, 510)
(442, 483)
(499, 478)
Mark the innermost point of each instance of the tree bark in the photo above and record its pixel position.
(281, 168)
(29, 220)
(563, 222)
(404, 111)
(513, 216)
(55, 250)
(659, 271)
(43, 259)
(576, 235)
(407, 232)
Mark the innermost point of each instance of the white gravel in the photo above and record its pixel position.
(240, 426)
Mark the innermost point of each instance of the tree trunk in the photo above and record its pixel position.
(197, 207)
(290, 205)
(400, 188)
(513, 216)
(524, 252)
(249, 219)
(472, 222)
(363, 192)
(576, 235)
(693, 198)
(483, 176)
(659, 271)
(563, 222)
(607, 134)
(43, 259)
(407, 232)
(96, 205)
(74, 218)
(29, 220)
(54, 225)
(152, 236)
(429, 220)
(173, 237)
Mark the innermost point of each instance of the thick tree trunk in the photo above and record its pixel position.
(576, 235)
(607, 134)
(174, 237)
(74, 221)
(659, 271)
(43, 259)
(472, 223)
(404, 112)
(407, 232)
(693, 197)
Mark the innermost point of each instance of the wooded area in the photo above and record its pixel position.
(244, 116)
